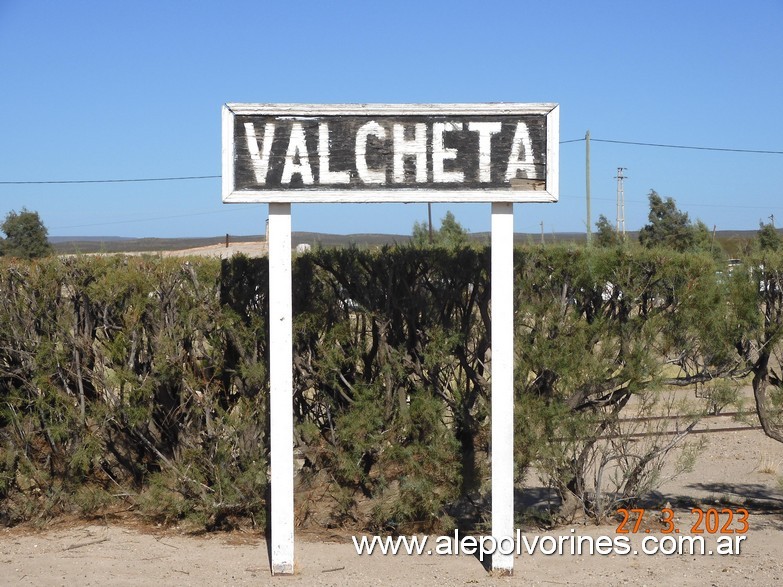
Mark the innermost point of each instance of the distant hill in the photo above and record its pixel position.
(65, 239)
(79, 244)
(731, 240)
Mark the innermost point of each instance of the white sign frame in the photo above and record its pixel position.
(280, 299)
(550, 111)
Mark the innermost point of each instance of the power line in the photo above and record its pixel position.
(683, 203)
(202, 177)
(150, 219)
(692, 147)
(671, 146)
(125, 180)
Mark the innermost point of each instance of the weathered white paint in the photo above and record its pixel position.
(415, 147)
(298, 110)
(297, 151)
(281, 408)
(521, 157)
(502, 382)
(326, 175)
(260, 157)
(485, 131)
(441, 153)
(366, 174)
(399, 195)
(227, 151)
(553, 152)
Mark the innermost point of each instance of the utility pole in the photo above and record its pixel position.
(542, 232)
(587, 185)
(429, 219)
(620, 203)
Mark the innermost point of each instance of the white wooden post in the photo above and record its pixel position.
(502, 385)
(281, 409)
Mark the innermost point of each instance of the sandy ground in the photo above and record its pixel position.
(737, 469)
(250, 249)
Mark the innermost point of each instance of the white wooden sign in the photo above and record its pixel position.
(286, 153)
(390, 152)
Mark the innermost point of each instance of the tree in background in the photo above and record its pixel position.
(450, 235)
(605, 235)
(668, 226)
(704, 242)
(26, 235)
(768, 237)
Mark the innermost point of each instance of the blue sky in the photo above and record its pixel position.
(115, 90)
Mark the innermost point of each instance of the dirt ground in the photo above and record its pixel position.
(736, 469)
(250, 249)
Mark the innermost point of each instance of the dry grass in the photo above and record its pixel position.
(769, 465)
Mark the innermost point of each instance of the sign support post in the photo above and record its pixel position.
(281, 408)
(502, 385)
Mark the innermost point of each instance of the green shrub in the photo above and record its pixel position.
(147, 378)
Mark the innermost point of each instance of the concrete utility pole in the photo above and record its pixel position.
(429, 220)
(620, 202)
(587, 185)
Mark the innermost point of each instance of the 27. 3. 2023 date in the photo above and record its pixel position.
(710, 521)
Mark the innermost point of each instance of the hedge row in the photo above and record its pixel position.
(141, 383)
